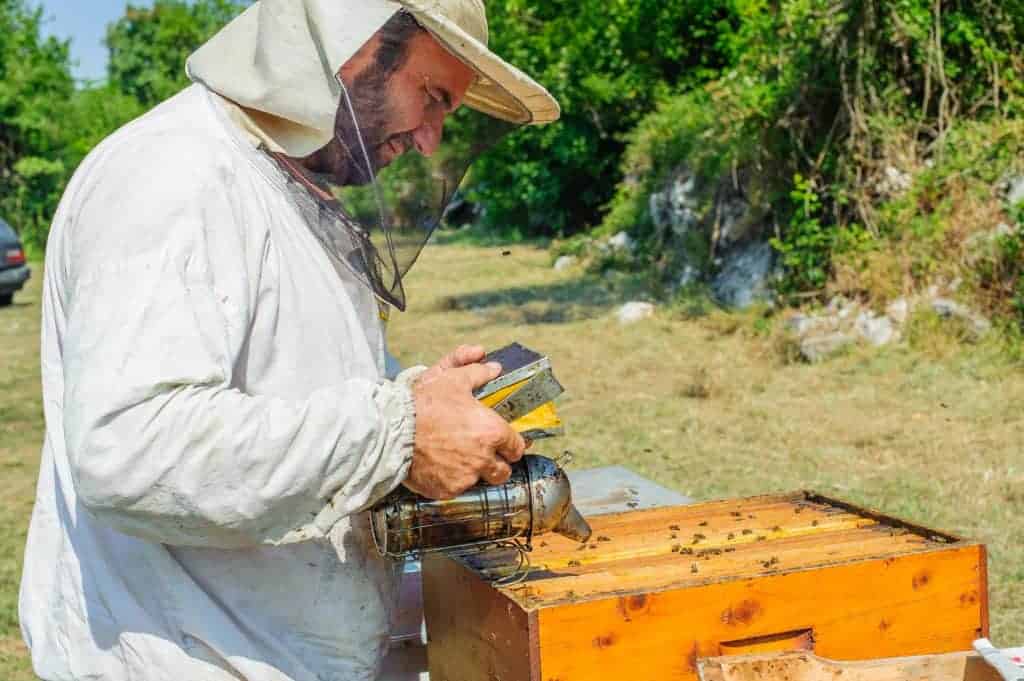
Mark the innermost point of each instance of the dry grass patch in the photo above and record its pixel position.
(701, 386)
(14, 664)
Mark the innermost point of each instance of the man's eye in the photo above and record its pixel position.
(441, 97)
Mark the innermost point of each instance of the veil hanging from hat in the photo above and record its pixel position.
(281, 57)
(377, 212)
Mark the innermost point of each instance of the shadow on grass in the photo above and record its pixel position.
(585, 298)
(479, 236)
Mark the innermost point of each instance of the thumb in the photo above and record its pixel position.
(477, 375)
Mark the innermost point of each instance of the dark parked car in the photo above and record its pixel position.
(13, 270)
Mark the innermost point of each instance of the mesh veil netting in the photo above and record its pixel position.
(376, 213)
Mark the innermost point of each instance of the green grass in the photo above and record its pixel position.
(697, 400)
(21, 437)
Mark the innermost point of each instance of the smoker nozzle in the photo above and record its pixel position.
(574, 526)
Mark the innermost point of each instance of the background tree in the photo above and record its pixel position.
(48, 125)
(815, 99)
(149, 45)
(35, 84)
(608, 62)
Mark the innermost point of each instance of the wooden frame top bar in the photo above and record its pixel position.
(719, 541)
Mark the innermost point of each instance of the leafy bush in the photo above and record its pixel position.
(807, 244)
(1012, 247)
(824, 101)
(607, 62)
(35, 82)
(47, 125)
(149, 45)
(678, 132)
(1005, 273)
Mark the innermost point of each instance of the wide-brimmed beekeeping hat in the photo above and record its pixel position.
(281, 57)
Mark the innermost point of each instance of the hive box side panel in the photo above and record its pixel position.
(476, 632)
(928, 602)
(962, 666)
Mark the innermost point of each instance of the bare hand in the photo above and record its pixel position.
(458, 440)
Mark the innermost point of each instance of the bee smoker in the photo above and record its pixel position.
(536, 499)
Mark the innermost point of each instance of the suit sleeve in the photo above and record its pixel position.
(161, 444)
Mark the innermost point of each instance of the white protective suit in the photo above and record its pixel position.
(216, 390)
(212, 388)
(216, 409)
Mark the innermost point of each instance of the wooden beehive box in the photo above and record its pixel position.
(962, 666)
(656, 590)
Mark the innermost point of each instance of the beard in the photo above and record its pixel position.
(341, 162)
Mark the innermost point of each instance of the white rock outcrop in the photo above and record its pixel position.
(950, 309)
(898, 311)
(876, 330)
(746, 276)
(622, 242)
(565, 262)
(1015, 190)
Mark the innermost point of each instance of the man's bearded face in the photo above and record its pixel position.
(373, 110)
(395, 111)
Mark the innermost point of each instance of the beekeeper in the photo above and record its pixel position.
(220, 405)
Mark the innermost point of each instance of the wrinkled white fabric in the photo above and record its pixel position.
(217, 414)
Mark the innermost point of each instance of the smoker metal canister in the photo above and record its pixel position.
(536, 499)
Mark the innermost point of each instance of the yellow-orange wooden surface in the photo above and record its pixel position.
(654, 591)
(963, 666)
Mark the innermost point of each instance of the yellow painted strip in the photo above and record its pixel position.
(497, 396)
(543, 416)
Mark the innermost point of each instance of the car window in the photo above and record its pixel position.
(7, 232)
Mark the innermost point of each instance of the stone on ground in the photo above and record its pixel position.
(634, 311)
(950, 309)
(565, 262)
(818, 347)
(898, 310)
(621, 242)
(876, 330)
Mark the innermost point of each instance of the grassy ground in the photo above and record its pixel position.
(21, 436)
(705, 406)
(697, 402)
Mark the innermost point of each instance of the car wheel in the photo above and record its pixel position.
(6, 299)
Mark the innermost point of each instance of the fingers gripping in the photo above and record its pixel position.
(459, 441)
(512, 446)
(462, 356)
(499, 472)
(477, 375)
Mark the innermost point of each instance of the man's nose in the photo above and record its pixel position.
(427, 137)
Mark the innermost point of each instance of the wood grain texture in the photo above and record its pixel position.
(654, 591)
(963, 666)
(475, 632)
(572, 582)
(915, 604)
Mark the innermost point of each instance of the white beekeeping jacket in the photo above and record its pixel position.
(216, 411)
